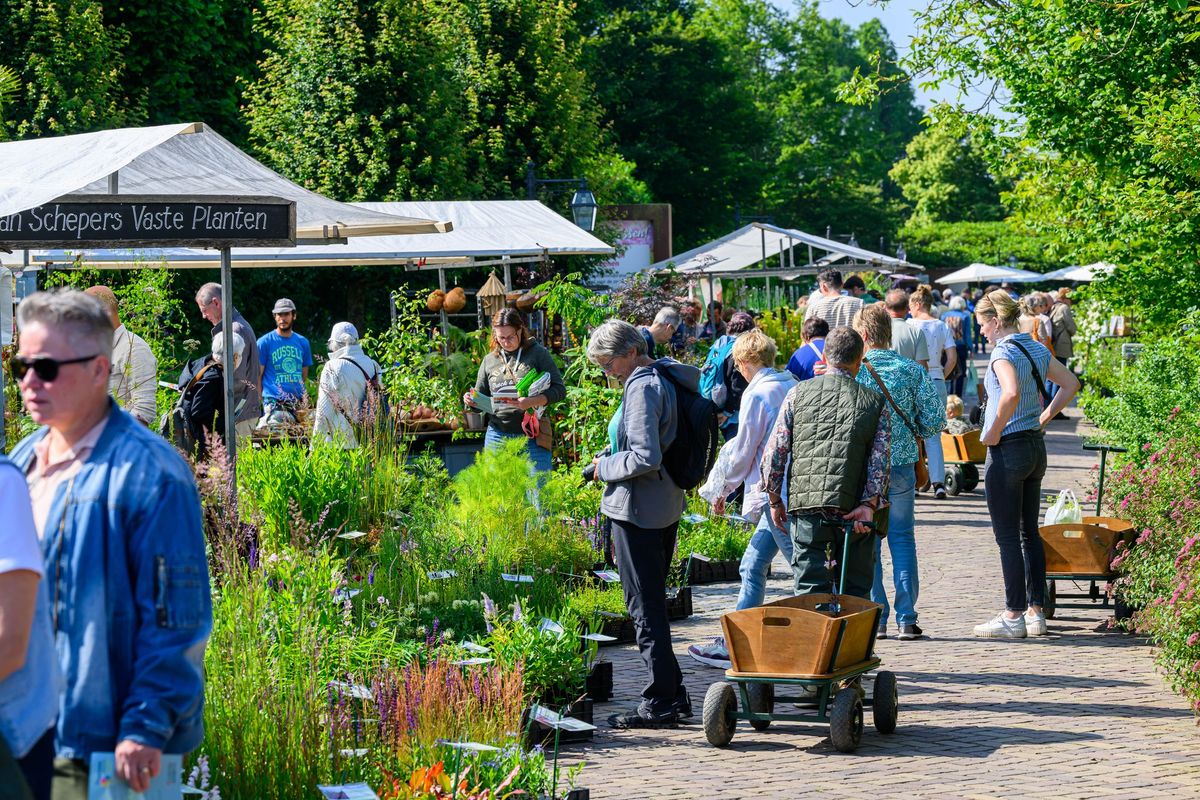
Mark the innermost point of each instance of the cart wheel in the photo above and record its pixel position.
(1121, 609)
(885, 702)
(762, 701)
(954, 479)
(970, 477)
(1051, 600)
(846, 720)
(720, 714)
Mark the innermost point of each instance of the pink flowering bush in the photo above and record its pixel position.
(1160, 573)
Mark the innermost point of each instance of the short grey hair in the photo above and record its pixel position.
(958, 304)
(208, 292)
(615, 338)
(667, 315)
(82, 317)
(843, 347)
(218, 349)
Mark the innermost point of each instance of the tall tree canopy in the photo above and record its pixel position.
(945, 179)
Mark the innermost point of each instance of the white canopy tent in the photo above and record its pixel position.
(184, 160)
(1086, 274)
(985, 273)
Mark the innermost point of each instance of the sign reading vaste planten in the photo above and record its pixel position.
(153, 220)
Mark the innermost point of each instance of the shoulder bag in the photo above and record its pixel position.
(978, 414)
(921, 468)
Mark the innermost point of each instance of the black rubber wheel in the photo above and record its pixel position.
(720, 714)
(970, 477)
(885, 702)
(1051, 603)
(1122, 610)
(954, 480)
(762, 701)
(846, 720)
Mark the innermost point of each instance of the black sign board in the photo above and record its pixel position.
(105, 221)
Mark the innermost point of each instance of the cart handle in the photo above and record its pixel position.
(1106, 448)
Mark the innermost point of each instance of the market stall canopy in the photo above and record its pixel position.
(985, 273)
(1085, 274)
(185, 159)
(759, 242)
(478, 229)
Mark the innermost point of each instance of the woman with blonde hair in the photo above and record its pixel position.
(1035, 319)
(1016, 411)
(940, 341)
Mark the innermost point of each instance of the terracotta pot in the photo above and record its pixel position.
(436, 298)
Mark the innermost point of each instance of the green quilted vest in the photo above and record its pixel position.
(834, 420)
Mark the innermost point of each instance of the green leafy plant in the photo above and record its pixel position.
(552, 663)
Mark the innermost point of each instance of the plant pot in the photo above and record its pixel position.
(680, 606)
(474, 421)
(705, 572)
(600, 682)
(536, 733)
(574, 794)
(622, 629)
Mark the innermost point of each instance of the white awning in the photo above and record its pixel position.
(480, 229)
(187, 159)
(759, 242)
(1091, 272)
(986, 273)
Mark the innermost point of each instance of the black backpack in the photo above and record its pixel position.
(691, 456)
(373, 396)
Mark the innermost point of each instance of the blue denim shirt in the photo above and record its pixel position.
(129, 594)
(29, 696)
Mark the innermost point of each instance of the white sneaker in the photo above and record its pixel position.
(712, 655)
(1035, 624)
(1001, 627)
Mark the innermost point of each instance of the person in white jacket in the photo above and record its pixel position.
(737, 465)
(343, 387)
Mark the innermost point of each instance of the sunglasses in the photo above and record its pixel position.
(45, 368)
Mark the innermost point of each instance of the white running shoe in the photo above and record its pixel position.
(712, 655)
(1001, 627)
(1035, 624)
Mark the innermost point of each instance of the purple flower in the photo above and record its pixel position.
(371, 576)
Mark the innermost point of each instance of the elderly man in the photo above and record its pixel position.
(666, 322)
(119, 518)
(246, 393)
(344, 385)
(134, 379)
(837, 440)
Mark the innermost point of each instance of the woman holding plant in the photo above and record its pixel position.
(514, 359)
(645, 505)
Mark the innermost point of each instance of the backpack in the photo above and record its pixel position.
(691, 455)
(175, 425)
(712, 376)
(374, 395)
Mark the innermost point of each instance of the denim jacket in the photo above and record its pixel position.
(129, 594)
(29, 696)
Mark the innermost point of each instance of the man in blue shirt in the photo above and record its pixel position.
(806, 357)
(284, 357)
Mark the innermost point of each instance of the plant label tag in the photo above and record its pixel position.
(348, 791)
(471, 662)
(673, 592)
(511, 578)
(473, 747)
(342, 595)
(736, 518)
(358, 752)
(441, 575)
(599, 637)
(551, 719)
(607, 575)
(700, 557)
(550, 626)
(695, 519)
(351, 535)
(471, 647)
(355, 690)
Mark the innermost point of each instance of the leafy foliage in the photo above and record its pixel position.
(945, 179)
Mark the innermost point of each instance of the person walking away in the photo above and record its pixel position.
(134, 379)
(831, 305)
(202, 399)
(754, 354)
(805, 358)
(30, 681)
(832, 440)
(1063, 330)
(719, 379)
(284, 357)
(342, 389)
(666, 322)
(1016, 461)
(247, 398)
(644, 504)
(513, 356)
(941, 348)
(960, 323)
(119, 518)
(907, 341)
(914, 410)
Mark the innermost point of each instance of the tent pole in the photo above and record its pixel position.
(442, 314)
(230, 415)
(113, 184)
(507, 276)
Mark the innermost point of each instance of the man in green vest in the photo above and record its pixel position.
(834, 441)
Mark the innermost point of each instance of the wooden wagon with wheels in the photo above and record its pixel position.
(1083, 551)
(962, 453)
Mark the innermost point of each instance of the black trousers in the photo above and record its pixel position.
(1013, 479)
(644, 559)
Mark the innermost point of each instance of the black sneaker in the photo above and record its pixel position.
(683, 706)
(909, 632)
(635, 719)
(939, 491)
(881, 633)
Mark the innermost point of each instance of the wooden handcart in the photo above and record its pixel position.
(962, 453)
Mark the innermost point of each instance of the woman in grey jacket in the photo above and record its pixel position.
(644, 505)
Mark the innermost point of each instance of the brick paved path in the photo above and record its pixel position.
(1078, 714)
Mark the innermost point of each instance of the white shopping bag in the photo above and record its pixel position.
(1065, 509)
(714, 488)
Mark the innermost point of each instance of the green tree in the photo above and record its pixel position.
(952, 245)
(944, 179)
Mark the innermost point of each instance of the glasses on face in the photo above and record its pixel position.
(45, 368)
(606, 365)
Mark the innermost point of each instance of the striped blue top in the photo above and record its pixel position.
(1029, 407)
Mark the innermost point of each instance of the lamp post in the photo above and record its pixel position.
(583, 202)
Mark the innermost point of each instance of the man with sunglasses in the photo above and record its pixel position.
(246, 395)
(118, 516)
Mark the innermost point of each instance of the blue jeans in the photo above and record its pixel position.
(766, 541)
(933, 445)
(903, 547)
(539, 455)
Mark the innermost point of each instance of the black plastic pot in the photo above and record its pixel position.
(600, 682)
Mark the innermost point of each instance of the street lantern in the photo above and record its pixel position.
(583, 207)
